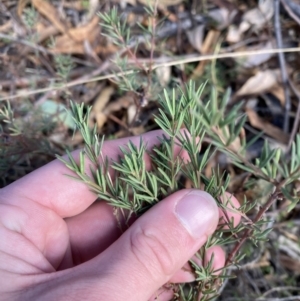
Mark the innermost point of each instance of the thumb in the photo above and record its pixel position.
(157, 245)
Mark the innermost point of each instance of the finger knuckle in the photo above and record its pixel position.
(149, 247)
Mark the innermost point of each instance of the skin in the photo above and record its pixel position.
(57, 243)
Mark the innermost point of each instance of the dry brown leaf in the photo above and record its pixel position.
(121, 103)
(209, 42)
(222, 133)
(102, 99)
(196, 36)
(74, 4)
(34, 59)
(261, 82)
(87, 31)
(6, 26)
(131, 113)
(99, 105)
(290, 235)
(161, 2)
(233, 34)
(21, 6)
(164, 74)
(49, 11)
(92, 91)
(73, 47)
(258, 16)
(271, 130)
(289, 263)
(256, 60)
(45, 33)
(70, 46)
(79, 34)
(40, 26)
(101, 118)
(278, 92)
(222, 16)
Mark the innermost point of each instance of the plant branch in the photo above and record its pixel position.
(255, 170)
(273, 197)
(127, 48)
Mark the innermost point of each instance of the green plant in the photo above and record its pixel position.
(24, 142)
(188, 121)
(64, 65)
(30, 16)
(142, 80)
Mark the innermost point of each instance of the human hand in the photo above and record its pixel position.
(57, 243)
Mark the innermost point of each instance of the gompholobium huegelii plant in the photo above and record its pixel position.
(188, 122)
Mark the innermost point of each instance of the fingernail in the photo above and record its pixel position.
(198, 213)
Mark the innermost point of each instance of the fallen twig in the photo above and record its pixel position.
(26, 43)
(297, 119)
(289, 10)
(282, 65)
(176, 61)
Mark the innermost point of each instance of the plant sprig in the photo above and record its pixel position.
(187, 121)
